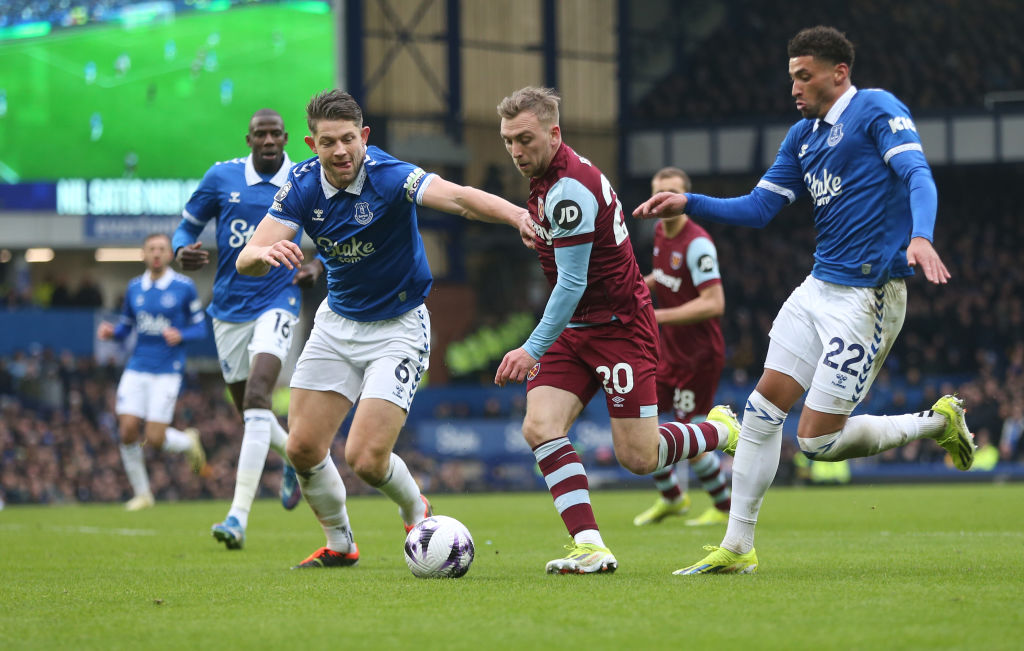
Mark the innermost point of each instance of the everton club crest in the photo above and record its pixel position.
(835, 135)
(363, 213)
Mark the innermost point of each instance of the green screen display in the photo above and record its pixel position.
(159, 95)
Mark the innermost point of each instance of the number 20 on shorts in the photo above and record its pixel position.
(617, 379)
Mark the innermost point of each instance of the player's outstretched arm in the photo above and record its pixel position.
(921, 252)
(663, 204)
(472, 203)
(270, 246)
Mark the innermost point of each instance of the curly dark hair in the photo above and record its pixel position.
(822, 42)
(333, 105)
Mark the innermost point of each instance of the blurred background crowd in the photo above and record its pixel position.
(58, 431)
(682, 64)
(933, 55)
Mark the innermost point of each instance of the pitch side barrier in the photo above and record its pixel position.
(449, 424)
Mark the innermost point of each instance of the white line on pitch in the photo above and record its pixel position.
(85, 529)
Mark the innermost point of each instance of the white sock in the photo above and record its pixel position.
(278, 435)
(757, 461)
(251, 458)
(135, 468)
(176, 441)
(592, 536)
(864, 436)
(325, 493)
(400, 486)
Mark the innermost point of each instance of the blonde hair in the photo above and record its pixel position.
(542, 102)
(674, 172)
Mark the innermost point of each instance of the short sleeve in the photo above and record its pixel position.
(394, 179)
(287, 205)
(572, 210)
(702, 261)
(416, 183)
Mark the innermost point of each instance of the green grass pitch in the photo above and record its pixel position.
(921, 567)
(276, 56)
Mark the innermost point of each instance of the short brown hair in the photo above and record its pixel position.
(333, 105)
(674, 172)
(542, 102)
(822, 42)
(153, 236)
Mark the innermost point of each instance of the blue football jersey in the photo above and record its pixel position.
(237, 196)
(367, 233)
(861, 207)
(151, 307)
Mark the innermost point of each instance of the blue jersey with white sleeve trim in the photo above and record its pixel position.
(237, 196)
(367, 233)
(149, 308)
(862, 208)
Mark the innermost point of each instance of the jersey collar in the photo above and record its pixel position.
(252, 177)
(836, 112)
(163, 283)
(355, 187)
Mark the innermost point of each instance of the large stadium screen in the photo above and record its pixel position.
(156, 90)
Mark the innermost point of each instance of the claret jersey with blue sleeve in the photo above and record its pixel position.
(861, 205)
(237, 196)
(367, 233)
(151, 307)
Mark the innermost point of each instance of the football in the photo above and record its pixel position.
(439, 547)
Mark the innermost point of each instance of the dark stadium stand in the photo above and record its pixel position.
(933, 55)
(57, 428)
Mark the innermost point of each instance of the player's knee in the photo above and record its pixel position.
(257, 393)
(805, 429)
(255, 400)
(637, 461)
(129, 432)
(370, 467)
(302, 452)
(535, 432)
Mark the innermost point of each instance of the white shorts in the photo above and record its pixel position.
(149, 396)
(373, 359)
(833, 339)
(237, 343)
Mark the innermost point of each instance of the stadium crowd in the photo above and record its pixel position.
(58, 439)
(933, 55)
(58, 435)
